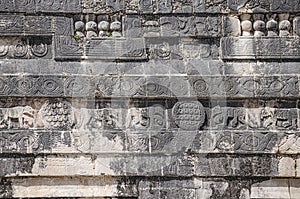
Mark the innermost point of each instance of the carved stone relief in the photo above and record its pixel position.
(24, 48)
(149, 98)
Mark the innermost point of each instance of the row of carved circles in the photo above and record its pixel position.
(22, 48)
(267, 25)
(98, 26)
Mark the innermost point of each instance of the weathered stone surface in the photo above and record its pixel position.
(232, 26)
(271, 189)
(129, 49)
(74, 187)
(259, 48)
(149, 99)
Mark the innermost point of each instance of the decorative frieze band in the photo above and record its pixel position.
(147, 6)
(20, 24)
(25, 47)
(44, 6)
(189, 6)
(183, 115)
(115, 85)
(115, 141)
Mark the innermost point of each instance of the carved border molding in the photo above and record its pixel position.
(41, 6)
(114, 86)
(60, 114)
(147, 6)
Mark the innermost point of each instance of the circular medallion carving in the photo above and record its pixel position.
(189, 115)
(57, 114)
(52, 86)
(77, 86)
(39, 50)
(3, 50)
(199, 85)
(20, 49)
(25, 85)
(225, 143)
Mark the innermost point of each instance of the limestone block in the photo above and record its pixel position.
(220, 165)
(97, 165)
(132, 26)
(207, 6)
(10, 6)
(232, 26)
(115, 5)
(296, 26)
(67, 48)
(66, 6)
(17, 26)
(288, 6)
(73, 187)
(63, 166)
(179, 86)
(191, 26)
(289, 144)
(185, 7)
(297, 167)
(157, 188)
(127, 49)
(163, 6)
(241, 48)
(146, 6)
(205, 188)
(276, 188)
(294, 188)
(287, 167)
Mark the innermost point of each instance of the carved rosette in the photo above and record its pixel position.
(57, 114)
(189, 115)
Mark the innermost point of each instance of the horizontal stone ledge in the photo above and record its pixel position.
(69, 187)
(137, 187)
(168, 68)
(150, 165)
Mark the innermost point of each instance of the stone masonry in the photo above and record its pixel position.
(150, 99)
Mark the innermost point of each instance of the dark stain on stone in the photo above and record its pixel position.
(6, 190)
(13, 163)
(127, 186)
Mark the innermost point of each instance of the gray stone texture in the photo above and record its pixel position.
(155, 99)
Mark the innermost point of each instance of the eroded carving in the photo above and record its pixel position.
(24, 116)
(189, 115)
(57, 114)
(190, 26)
(24, 48)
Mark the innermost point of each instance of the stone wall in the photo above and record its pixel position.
(159, 99)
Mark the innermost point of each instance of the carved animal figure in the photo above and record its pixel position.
(21, 113)
(90, 118)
